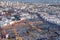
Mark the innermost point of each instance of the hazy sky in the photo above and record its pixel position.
(44, 1)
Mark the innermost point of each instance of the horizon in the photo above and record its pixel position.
(34, 1)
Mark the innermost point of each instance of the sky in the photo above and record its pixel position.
(36, 1)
